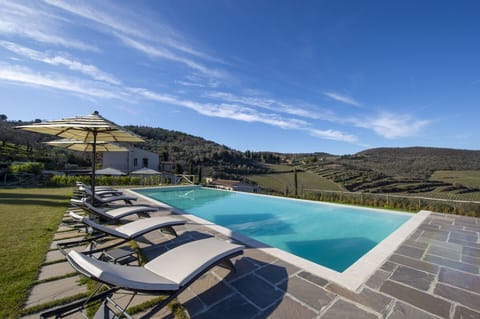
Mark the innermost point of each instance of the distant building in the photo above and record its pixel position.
(232, 185)
(167, 166)
(132, 160)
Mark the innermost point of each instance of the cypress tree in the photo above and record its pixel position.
(199, 174)
(295, 181)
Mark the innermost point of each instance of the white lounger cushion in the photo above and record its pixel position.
(167, 272)
(81, 185)
(184, 262)
(133, 229)
(114, 198)
(145, 225)
(120, 212)
(137, 278)
(101, 192)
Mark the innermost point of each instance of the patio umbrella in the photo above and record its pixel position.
(89, 128)
(147, 174)
(110, 171)
(145, 171)
(74, 145)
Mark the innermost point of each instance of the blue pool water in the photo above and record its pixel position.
(334, 236)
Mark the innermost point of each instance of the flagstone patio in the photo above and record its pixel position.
(435, 273)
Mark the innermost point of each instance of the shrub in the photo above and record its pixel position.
(26, 167)
(100, 180)
(398, 202)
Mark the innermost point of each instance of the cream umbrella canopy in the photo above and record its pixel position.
(110, 171)
(74, 145)
(88, 129)
(145, 171)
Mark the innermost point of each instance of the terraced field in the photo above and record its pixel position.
(466, 178)
(449, 185)
(282, 179)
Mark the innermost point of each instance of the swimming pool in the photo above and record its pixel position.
(334, 236)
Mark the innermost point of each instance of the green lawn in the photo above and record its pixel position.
(29, 219)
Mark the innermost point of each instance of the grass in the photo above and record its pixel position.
(466, 178)
(30, 217)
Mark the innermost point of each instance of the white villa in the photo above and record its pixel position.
(132, 160)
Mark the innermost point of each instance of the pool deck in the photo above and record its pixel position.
(434, 273)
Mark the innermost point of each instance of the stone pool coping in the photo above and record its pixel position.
(433, 274)
(352, 278)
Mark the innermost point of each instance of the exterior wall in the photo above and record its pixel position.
(132, 160)
(137, 158)
(118, 160)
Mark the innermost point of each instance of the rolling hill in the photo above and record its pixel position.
(438, 172)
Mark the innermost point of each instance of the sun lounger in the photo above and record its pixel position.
(103, 194)
(108, 199)
(168, 274)
(113, 214)
(126, 232)
(100, 192)
(83, 185)
(136, 228)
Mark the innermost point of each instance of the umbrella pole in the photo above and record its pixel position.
(94, 164)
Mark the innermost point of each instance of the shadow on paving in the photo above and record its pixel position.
(241, 294)
(245, 292)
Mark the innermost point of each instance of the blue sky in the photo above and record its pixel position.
(287, 76)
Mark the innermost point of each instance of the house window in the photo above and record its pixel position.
(145, 162)
(135, 162)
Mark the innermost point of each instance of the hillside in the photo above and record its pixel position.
(436, 172)
(189, 152)
(432, 172)
(281, 180)
(416, 162)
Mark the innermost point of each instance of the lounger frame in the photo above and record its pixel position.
(164, 228)
(106, 296)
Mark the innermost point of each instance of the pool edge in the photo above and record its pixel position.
(352, 278)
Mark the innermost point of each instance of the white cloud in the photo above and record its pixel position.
(224, 110)
(73, 65)
(159, 52)
(266, 103)
(138, 35)
(35, 23)
(116, 20)
(341, 98)
(390, 125)
(245, 114)
(200, 84)
(333, 135)
(22, 75)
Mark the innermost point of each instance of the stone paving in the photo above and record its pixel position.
(435, 273)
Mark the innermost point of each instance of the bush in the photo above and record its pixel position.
(100, 180)
(27, 167)
(398, 202)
